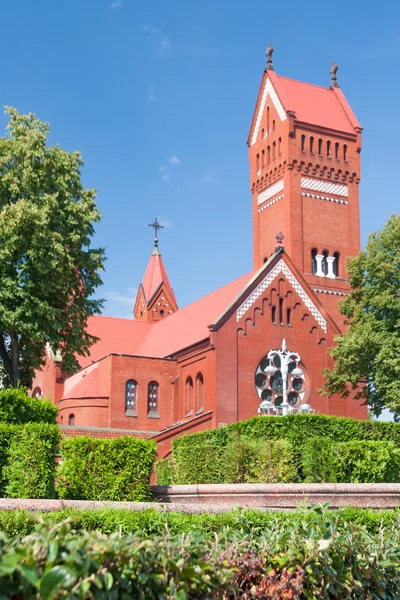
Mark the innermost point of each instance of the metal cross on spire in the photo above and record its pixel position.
(268, 53)
(333, 72)
(156, 226)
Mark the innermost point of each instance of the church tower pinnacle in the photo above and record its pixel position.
(155, 299)
(304, 153)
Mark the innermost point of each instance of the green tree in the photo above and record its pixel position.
(367, 354)
(48, 270)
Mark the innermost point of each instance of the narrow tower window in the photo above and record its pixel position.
(312, 145)
(280, 146)
(262, 134)
(152, 399)
(345, 151)
(267, 120)
(328, 148)
(281, 311)
(303, 142)
(258, 162)
(273, 150)
(319, 146)
(268, 155)
(336, 264)
(325, 262)
(288, 317)
(273, 315)
(337, 150)
(263, 159)
(314, 253)
(273, 125)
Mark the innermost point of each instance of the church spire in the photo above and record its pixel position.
(155, 298)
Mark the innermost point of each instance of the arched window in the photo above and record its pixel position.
(263, 159)
(336, 264)
(320, 146)
(268, 155)
(130, 397)
(267, 120)
(258, 162)
(62, 419)
(273, 315)
(312, 145)
(345, 151)
(314, 253)
(325, 254)
(281, 311)
(273, 125)
(273, 150)
(288, 317)
(189, 397)
(303, 142)
(280, 146)
(37, 393)
(199, 393)
(337, 150)
(328, 148)
(71, 419)
(152, 399)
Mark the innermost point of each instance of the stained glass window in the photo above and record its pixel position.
(152, 397)
(130, 395)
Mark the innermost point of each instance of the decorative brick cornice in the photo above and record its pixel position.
(332, 292)
(324, 171)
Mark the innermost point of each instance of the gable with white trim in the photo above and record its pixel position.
(279, 268)
(268, 92)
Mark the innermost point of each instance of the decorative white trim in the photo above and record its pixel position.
(269, 90)
(270, 191)
(324, 198)
(268, 279)
(320, 185)
(333, 292)
(270, 203)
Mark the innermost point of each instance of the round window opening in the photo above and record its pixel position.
(269, 383)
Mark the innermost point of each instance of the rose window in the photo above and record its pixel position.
(270, 383)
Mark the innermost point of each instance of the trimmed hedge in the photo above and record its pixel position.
(151, 522)
(164, 469)
(299, 559)
(367, 462)
(17, 408)
(94, 469)
(203, 457)
(27, 460)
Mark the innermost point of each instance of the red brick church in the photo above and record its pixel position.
(170, 370)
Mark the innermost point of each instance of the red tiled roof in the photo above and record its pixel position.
(89, 386)
(155, 275)
(314, 104)
(189, 325)
(121, 336)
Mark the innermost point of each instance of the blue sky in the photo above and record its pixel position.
(159, 97)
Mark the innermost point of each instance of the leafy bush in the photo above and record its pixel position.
(367, 462)
(95, 469)
(164, 469)
(151, 522)
(30, 469)
(318, 461)
(6, 434)
(16, 407)
(309, 556)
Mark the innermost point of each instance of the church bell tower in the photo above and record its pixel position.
(304, 153)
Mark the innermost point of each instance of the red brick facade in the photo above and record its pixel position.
(171, 371)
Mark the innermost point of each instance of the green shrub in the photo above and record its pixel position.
(307, 556)
(116, 469)
(164, 469)
(206, 463)
(30, 469)
(152, 522)
(367, 462)
(7, 433)
(318, 461)
(16, 407)
(272, 462)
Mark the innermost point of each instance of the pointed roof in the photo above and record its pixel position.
(309, 103)
(155, 276)
(88, 386)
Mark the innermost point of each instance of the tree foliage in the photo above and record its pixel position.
(367, 354)
(48, 270)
